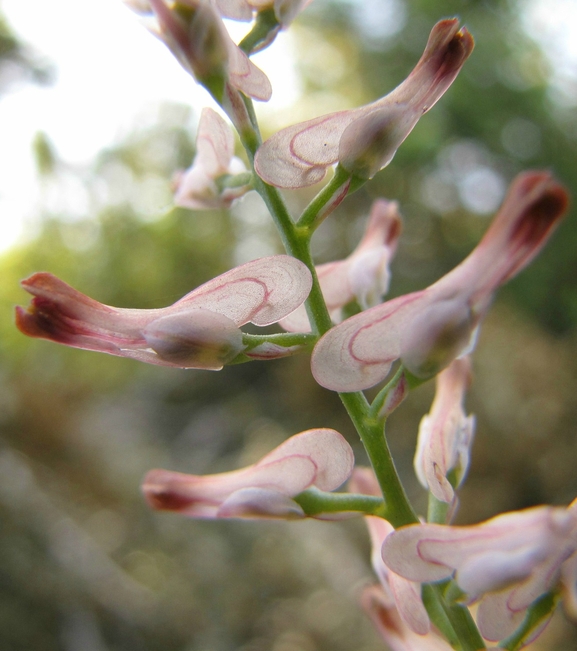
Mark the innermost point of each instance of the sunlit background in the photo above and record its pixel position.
(95, 120)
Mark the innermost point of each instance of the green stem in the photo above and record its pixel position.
(453, 620)
(296, 240)
(433, 602)
(326, 200)
(371, 431)
(437, 510)
(536, 616)
(294, 343)
(264, 31)
(315, 502)
(280, 338)
(378, 406)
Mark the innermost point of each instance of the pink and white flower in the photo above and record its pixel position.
(446, 434)
(318, 458)
(430, 328)
(197, 188)
(201, 330)
(402, 595)
(505, 563)
(382, 610)
(364, 140)
(194, 32)
(364, 275)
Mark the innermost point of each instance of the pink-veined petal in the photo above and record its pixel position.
(214, 143)
(320, 458)
(432, 327)
(506, 550)
(328, 450)
(197, 188)
(406, 594)
(195, 496)
(299, 155)
(203, 46)
(445, 435)
(394, 631)
(245, 76)
(261, 291)
(358, 353)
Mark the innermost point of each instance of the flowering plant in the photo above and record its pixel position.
(515, 566)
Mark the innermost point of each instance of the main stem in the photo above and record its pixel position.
(296, 240)
(371, 429)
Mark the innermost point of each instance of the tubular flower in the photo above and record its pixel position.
(285, 11)
(506, 563)
(380, 607)
(364, 275)
(195, 34)
(446, 434)
(430, 328)
(201, 330)
(402, 595)
(198, 187)
(364, 140)
(318, 458)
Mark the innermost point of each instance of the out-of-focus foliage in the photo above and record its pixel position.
(84, 565)
(18, 63)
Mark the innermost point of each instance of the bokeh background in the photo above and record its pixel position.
(84, 565)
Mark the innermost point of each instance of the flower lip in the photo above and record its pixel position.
(540, 215)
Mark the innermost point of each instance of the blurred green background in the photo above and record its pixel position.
(84, 565)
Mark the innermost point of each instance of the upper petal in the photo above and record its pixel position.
(214, 143)
(298, 156)
(326, 448)
(262, 291)
(359, 352)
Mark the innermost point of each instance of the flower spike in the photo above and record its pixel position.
(318, 458)
(429, 328)
(364, 275)
(200, 330)
(364, 140)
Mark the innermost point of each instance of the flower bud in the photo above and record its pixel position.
(193, 32)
